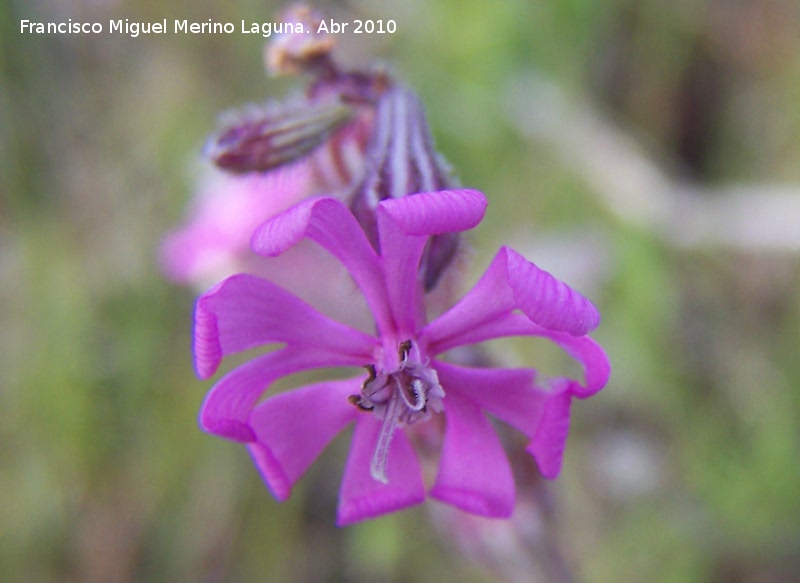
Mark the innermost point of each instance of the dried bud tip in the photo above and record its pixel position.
(299, 47)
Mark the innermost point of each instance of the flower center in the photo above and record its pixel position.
(404, 395)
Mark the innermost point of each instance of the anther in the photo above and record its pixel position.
(405, 348)
(373, 374)
(358, 401)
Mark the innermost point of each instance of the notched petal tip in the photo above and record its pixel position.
(434, 213)
(546, 300)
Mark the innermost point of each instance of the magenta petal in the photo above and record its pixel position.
(511, 282)
(226, 410)
(474, 473)
(245, 311)
(330, 224)
(548, 301)
(401, 263)
(507, 393)
(434, 213)
(404, 225)
(593, 359)
(223, 215)
(293, 428)
(585, 350)
(361, 496)
(551, 439)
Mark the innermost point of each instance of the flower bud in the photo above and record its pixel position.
(401, 160)
(263, 138)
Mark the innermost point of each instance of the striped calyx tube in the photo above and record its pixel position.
(401, 161)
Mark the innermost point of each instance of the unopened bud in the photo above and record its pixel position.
(263, 138)
(402, 161)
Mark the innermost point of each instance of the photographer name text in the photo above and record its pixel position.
(265, 29)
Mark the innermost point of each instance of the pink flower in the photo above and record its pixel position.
(407, 382)
(274, 156)
(214, 241)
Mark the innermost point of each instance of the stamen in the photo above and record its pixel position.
(405, 348)
(373, 374)
(380, 459)
(359, 402)
(418, 392)
(399, 397)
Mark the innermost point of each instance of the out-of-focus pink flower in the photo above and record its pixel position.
(404, 385)
(214, 242)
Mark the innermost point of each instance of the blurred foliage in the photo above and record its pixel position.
(104, 475)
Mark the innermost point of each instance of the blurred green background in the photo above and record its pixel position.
(644, 150)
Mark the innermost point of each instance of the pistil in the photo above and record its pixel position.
(398, 397)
